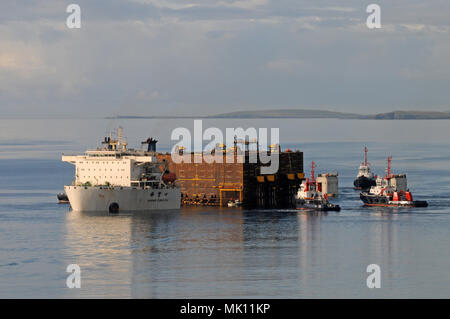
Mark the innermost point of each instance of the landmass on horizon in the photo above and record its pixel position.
(306, 114)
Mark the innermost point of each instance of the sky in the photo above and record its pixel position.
(177, 57)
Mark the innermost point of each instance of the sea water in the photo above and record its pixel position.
(229, 252)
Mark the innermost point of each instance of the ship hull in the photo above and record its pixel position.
(363, 182)
(383, 201)
(113, 199)
(316, 205)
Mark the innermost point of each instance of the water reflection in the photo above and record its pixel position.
(204, 252)
(335, 249)
(183, 256)
(310, 248)
(383, 245)
(99, 244)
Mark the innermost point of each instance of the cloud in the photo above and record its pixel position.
(147, 96)
(285, 65)
(177, 56)
(338, 9)
(182, 4)
(14, 59)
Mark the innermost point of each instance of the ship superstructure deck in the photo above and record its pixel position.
(113, 177)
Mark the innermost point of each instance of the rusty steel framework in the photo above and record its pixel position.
(216, 184)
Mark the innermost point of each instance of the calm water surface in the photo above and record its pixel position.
(209, 253)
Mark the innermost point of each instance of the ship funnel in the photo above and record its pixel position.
(151, 144)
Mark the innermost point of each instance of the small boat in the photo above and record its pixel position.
(365, 178)
(235, 203)
(317, 204)
(310, 196)
(62, 198)
(390, 191)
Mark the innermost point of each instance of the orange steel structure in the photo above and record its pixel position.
(216, 184)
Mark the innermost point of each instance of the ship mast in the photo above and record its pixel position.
(365, 156)
(313, 165)
(389, 159)
(119, 135)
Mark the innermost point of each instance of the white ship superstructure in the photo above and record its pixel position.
(364, 168)
(364, 171)
(365, 178)
(114, 177)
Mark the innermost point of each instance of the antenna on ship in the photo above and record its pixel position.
(388, 171)
(365, 156)
(121, 142)
(119, 135)
(313, 165)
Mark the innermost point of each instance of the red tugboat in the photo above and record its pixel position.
(390, 191)
(310, 197)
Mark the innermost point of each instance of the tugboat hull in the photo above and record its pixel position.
(316, 205)
(383, 201)
(363, 182)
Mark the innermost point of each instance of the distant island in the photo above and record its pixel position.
(307, 114)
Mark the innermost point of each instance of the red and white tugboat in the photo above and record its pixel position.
(390, 191)
(310, 197)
